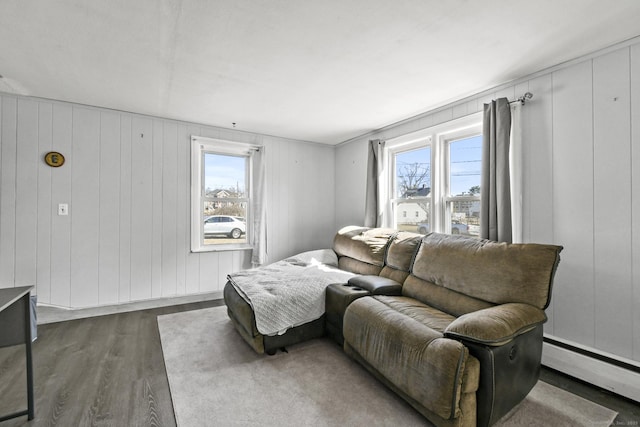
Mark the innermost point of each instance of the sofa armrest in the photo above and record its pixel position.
(495, 326)
(377, 285)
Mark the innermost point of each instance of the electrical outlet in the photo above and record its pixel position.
(63, 209)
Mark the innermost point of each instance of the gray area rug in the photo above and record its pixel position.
(217, 379)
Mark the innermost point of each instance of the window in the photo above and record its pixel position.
(436, 173)
(462, 194)
(412, 187)
(220, 189)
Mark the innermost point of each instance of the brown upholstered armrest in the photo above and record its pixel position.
(377, 285)
(497, 325)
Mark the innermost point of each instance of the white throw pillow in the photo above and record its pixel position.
(319, 256)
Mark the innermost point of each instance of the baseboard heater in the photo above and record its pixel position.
(610, 372)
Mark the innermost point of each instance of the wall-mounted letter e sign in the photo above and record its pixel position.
(54, 159)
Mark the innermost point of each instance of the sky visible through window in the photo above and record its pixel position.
(465, 165)
(224, 172)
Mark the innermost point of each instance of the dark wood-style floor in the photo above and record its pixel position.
(109, 371)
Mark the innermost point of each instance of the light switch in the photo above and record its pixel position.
(63, 209)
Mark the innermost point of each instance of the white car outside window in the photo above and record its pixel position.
(224, 225)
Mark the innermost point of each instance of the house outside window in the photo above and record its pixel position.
(220, 192)
(436, 172)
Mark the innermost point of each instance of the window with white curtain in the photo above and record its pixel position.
(221, 203)
(436, 173)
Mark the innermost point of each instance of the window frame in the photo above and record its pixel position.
(439, 139)
(199, 147)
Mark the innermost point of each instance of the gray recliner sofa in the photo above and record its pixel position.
(453, 324)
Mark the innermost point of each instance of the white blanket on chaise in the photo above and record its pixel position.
(290, 292)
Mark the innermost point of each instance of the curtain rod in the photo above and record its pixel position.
(523, 98)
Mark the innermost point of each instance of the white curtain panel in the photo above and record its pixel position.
(515, 168)
(259, 211)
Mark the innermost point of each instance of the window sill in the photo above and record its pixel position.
(221, 248)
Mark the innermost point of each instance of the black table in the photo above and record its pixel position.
(15, 329)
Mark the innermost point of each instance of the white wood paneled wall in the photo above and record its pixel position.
(126, 180)
(581, 135)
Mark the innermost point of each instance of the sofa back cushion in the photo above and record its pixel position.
(399, 256)
(361, 250)
(451, 302)
(489, 271)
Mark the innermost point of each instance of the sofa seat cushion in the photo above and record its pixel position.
(418, 311)
(402, 339)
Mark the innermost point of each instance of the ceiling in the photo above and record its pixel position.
(323, 71)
